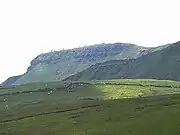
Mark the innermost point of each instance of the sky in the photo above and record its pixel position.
(31, 27)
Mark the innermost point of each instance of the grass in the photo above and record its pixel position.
(92, 108)
(145, 82)
(134, 116)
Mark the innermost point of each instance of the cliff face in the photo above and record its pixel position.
(59, 65)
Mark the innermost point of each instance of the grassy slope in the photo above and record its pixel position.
(121, 109)
(145, 116)
(163, 64)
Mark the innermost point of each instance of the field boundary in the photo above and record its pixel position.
(136, 84)
(97, 83)
(48, 113)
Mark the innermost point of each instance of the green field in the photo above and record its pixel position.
(111, 107)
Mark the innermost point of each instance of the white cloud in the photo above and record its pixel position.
(28, 28)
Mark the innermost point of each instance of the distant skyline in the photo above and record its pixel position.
(28, 28)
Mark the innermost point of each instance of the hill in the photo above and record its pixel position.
(161, 64)
(59, 65)
(10, 81)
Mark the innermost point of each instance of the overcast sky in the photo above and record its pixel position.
(30, 27)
